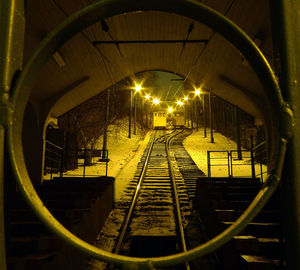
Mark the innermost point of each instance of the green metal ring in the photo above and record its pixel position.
(90, 15)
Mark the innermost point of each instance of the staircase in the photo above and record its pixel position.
(224, 200)
(80, 205)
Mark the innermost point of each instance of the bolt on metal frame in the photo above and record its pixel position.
(103, 9)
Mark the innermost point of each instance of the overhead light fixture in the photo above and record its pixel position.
(170, 109)
(155, 101)
(138, 88)
(147, 97)
(58, 58)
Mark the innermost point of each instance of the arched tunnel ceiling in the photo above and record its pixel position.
(90, 68)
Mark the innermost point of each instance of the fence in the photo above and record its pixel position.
(55, 162)
(238, 163)
(54, 156)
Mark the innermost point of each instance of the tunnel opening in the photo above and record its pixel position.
(65, 106)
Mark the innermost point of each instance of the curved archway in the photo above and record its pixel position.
(191, 9)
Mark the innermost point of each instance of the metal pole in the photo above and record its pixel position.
(185, 114)
(231, 166)
(84, 162)
(2, 228)
(134, 115)
(238, 133)
(142, 112)
(228, 161)
(106, 124)
(146, 109)
(252, 157)
(61, 163)
(130, 115)
(286, 31)
(204, 116)
(12, 28)
(208, 164)
(196, 113)
(191, 115)
(261, 168)
(210, 119)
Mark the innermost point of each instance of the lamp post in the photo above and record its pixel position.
(130, 115)
(197, 93)
(137, 90)
(104, 148)
(210, 119)
(238, 135)
(204, 116)
(147, 99)
(210, 115)
(185, 109)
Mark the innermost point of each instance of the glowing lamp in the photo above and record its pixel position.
(138, 88)
(170, 109)
(156, 101)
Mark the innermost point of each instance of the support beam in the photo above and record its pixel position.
(210, 119)
(286, 33)
(130, 115)
(104, 148)
(2, 228)
(170, 41)
(196, 114)
(238, 133)
(12, 28)
(134, 115)
(204, 115)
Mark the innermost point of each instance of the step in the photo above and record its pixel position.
(260, 230)
(32, 256)
(260, 262)
(262, 216)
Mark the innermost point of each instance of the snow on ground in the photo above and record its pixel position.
(125, 153)
(197, 146)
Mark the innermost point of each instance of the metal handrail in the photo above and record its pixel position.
(282, 117)
(259, 145)
(58, 161)
(229, 158)
(53, 144)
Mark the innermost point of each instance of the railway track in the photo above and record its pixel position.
(156, 214)
(150, 221)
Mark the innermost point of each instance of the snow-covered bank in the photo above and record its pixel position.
(197, 146)
(125, 153)
(121, 152)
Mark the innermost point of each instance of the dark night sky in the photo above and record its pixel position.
(165, 88)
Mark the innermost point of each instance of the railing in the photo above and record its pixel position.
(86, 156)
(54, 156)
(55, 159)
(260, 156)
(237, 162)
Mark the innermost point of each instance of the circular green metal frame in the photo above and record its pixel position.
(107, 8)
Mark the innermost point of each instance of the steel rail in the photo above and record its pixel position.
(176, 198)
(134, 199)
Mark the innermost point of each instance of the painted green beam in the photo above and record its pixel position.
(286, 33)
(11, 56)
